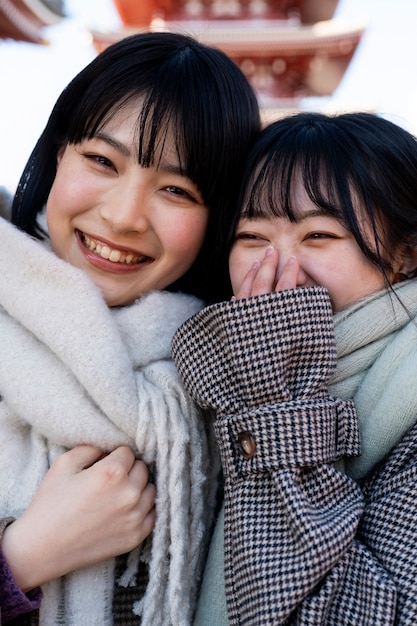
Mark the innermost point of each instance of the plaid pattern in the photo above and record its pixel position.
(389, 524)
(303, 544)
(248, 353)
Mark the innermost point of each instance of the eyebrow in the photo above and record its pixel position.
(114, 143)
(312, 213)
(300, 217)
(169, 168)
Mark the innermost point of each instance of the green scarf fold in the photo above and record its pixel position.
(376, 343)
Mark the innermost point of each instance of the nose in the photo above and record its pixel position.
(283, 258)
(126, 208)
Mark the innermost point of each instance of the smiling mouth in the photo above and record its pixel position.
(112, 254)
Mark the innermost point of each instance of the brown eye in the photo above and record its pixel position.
(246, 236)
(316, 236)
(100, 160)
(177, 191)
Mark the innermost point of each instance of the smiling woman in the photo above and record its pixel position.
(311, 370)
(314, 247)
(131, 228)
(132, 185)
(155, 111)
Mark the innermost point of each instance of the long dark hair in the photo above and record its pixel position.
(345, 161)
(190, 89)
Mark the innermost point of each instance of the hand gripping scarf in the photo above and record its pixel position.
(74, 371)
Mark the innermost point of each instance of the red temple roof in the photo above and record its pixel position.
(24, 20)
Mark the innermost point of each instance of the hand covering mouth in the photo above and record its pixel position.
(112, 254)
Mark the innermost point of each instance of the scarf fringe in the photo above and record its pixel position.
(106, 379)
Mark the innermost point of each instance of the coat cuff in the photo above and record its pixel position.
(299, 433)
(235, 356)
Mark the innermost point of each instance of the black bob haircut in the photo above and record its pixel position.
(345, 162)
(193, 91)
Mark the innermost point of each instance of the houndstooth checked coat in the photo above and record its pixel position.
(304, 543)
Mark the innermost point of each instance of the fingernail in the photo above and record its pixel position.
(291, 260)
(255, 265)
(269, 251)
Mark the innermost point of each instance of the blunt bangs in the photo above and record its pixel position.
(349, 166)
(162, 113)
(294, 153)
(193, 94)
(193, 98)
(188, 97)
(157, 121)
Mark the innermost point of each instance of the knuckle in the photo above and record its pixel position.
(131, 498)
(142, 467)
(113, 471)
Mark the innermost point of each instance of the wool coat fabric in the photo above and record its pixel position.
(74, 371)
(304, 543)
(13, 601)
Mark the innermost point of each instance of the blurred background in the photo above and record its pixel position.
(380, 76)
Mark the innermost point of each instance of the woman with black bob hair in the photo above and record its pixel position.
(311, 368)
(344, 161)
(108, 468)
(190, 90)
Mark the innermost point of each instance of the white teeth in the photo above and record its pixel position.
(117, 256)
(105, 252)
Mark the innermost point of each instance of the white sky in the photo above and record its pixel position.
(381, 76)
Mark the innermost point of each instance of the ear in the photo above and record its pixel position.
(60, 154)
(407, 263)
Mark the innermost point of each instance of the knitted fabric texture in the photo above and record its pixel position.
(74, 371)
(376, 343)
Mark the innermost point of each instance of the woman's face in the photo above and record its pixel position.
(321, 250)
(132, 229)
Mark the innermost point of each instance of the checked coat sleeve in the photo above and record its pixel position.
(291, 557)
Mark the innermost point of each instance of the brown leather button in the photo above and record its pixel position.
(247, 444)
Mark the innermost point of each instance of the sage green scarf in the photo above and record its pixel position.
(376, 343)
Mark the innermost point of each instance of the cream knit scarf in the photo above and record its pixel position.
(74, 371)
(376, 343)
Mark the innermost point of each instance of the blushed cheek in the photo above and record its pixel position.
(236, 271)
(186, 243)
